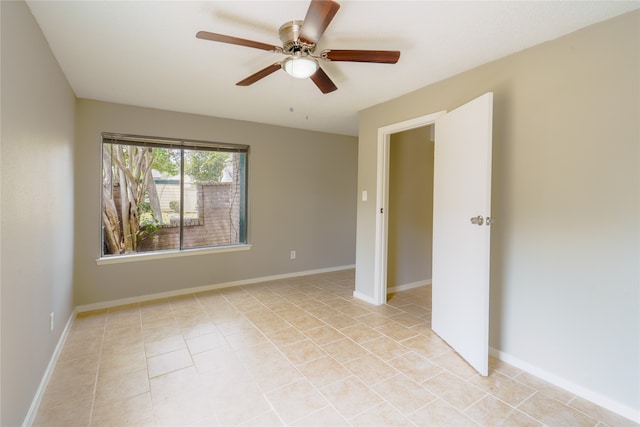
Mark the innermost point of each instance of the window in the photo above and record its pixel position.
(168, 195)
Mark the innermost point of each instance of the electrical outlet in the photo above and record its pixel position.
(51, 321)
(293, 254)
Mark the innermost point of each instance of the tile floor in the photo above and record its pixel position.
(295, 352)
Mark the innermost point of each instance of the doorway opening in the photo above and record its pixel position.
(410, 212)
(384, 170)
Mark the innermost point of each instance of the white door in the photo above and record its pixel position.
(461, 235)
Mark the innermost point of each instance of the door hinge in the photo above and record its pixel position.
(381, 210)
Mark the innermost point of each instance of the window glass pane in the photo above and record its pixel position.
(160, 219)
(140, 199)
(160, 196)
(213, 186)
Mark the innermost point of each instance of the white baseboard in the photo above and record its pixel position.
(585, 393)
(37, 399)
(179, 292)
(408, 286)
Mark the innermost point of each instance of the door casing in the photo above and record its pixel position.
(382, 198)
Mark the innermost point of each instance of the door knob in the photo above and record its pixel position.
(477, 220)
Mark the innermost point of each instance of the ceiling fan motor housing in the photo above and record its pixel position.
(290, 37)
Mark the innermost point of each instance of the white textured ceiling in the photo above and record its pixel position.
(145, 53)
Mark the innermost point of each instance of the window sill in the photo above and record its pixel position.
(118, 259)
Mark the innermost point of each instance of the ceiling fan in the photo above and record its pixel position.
(299, 40)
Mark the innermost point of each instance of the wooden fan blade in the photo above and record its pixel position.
(259, 75)
(323, 81)
(319, 16)
(379, 56)
(205, 35)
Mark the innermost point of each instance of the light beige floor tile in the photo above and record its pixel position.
(381, 415)
(62, 393)
(79, 346)
(344, 350)
(325, 417)
(303, 352)
(246, 339)
(296, 400)
(197, 328)
(520, 419)
(71, 414)
(208, 359)
(416, 310)
(277, 375)
(164, 345)
(361, 333)
(503, 367)
(416, 367)
(455, 364)
(427, 346)
(370, 369)
(404, 394)
(406, 319)
(262, 316)
(119, 363)
(423, 328)
(239, 403)
(266, 419)
(258, 357)
(174, 383)
(553, 413)
(184, 410)
(205, 342)
(601, 413)
(322, 311)
(493, 412)
(351, 397)
(353, 310)
(545, 388)
(440, 414)
(274, 324)
(323, 371)
(132, 411)
(454, 390)
(216, 360)
(340, 321)
(286, 336)
(74, 372)
(373, 320)
(122, 386)
(122, 333)
(385, 348)
(270, 368)
(239, 327)
(396, 331)
(168, 362)
(307, 322)
(159, 332)
(323, 335)
(503, 387)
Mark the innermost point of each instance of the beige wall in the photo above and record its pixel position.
(410, 229)
(37, 208)
(302, 190)
(565, 249)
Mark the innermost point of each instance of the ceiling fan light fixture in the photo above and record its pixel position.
(300, 67)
